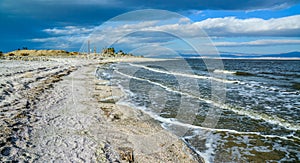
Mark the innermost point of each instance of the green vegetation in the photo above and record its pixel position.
(111, 52)
(36, 53)
(24, 54)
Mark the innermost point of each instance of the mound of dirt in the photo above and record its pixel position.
(35, 53)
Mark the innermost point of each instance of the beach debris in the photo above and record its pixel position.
(101, 157)
(239, 73)
(110, 154)
(108, 100)
(116, 115)
(102, 83)
(126, 153)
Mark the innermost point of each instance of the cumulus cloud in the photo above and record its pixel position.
(154, 32)
(60, 39)
(69, 30)
(79, 15)
(225, 27)
(258, 43)
(228, 26)
(231, 26)
(62, 42)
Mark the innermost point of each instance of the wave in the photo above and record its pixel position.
(224, 71)
(185, 75)
(208, 154)
(265, 117)
(238, 73)
(172, 121)
(287, 74)
(249, 113)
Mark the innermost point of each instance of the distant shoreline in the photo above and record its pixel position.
(296, 59)
(46, 54)
(262, 58)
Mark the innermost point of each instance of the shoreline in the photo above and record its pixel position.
(76, 112)
(149, 141)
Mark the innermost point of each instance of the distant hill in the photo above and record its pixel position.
(281, 55)
(35, 53)
(284, 55)
(109, 52)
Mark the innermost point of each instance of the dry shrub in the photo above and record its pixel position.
(24, 54)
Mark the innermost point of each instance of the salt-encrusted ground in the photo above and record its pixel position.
(58, 111)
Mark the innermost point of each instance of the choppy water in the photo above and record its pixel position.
(257, 121)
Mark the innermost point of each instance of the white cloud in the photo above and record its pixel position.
(228, 26)
(258, 43)
(69, 30)
(184, 20)
(139, 33)
(73, 39)
(61, 42)
(231, 26)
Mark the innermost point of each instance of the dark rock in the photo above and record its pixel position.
(243, 73)
(296, 86)
(12, 140)
(6, 151)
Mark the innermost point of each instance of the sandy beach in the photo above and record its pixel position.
(58, 111)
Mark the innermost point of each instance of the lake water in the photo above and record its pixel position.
(225, 110)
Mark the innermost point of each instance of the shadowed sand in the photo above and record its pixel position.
(58, 111)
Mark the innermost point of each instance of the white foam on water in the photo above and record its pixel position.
(106, 75)
(185, 75)
(172, 121)
(272, 119)
(210, 146)
(208, 154)
(224, 71)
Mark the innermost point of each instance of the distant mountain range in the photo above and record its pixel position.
(284, 55)
(250, 56)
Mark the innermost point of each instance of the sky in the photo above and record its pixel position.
(231, 26)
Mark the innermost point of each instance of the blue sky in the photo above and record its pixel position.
(234, 26)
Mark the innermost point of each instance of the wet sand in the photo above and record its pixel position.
(58, 111)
